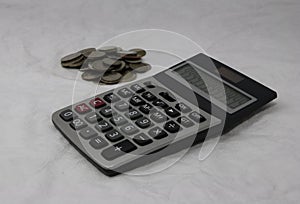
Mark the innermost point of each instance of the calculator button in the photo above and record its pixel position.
(118, 150)
(149, 85)
(111, 98)
(87, 133)
(82, 108)
(97, 103)
(129, 129)
(142, 139)
(122, 106)
(149, 96)
(172, 112)
(78, 124)
(137, 88)
(157, 133)
(198, 118)
(103, 126)
(172, 127)
(184, 121)
(167, 96)
(118, 120)
(160, 103)
(158, 117)
(93, 118)
(106, 112)
(98, 143)
(114, 136)
(183, 108)
(146, 108)
(137, 101)
(67, 115)
(133, 114)
(143, 122)
(125, 93)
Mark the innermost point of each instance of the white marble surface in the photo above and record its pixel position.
(258, 162)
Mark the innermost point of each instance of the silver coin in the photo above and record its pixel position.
(86, 52)
(111, 78)
(99, 66)
(71, 57)
(134, 61)
(127, 54)
(141, 67)
(128, 76)
(111, 62)
(91, 75)
(96, 55)
(140, 52)
(119, 68)
(74, 64)
(109, 49)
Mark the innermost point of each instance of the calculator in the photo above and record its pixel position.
(141, 122)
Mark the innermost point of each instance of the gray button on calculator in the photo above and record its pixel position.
(78, 124)
(98, 143)
(122, 106)
(87, 133)
(157, 133)
(197, 117)
(118, 150)
(125, 93)
(185, 122)
(93, 118)
(158, 117)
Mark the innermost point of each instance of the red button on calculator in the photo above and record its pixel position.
(97, 103)
(82, 108)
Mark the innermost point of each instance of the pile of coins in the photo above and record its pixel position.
(107, 65)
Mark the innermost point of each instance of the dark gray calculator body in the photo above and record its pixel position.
(141, 122)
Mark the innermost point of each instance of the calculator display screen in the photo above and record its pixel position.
(212, 86)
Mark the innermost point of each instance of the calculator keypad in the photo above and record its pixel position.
(129, 119)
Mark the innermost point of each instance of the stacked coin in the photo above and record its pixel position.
(108, 65)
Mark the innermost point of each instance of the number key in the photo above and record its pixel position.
(67, 115)
(143, 122)
(129, 129)
(114, 136)
(118, 120)
(133, 114)
(93, 118)
(103, 126)
(78, 124)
